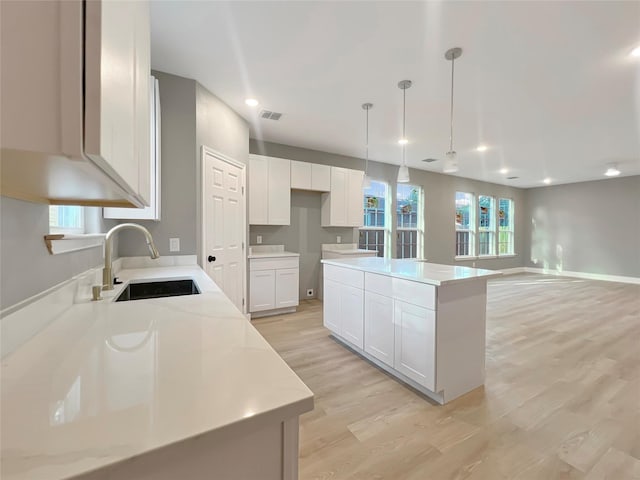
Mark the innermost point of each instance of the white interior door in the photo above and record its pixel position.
(223, 224)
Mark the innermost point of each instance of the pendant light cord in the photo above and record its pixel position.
(451, 134)
(404, 121)
(366, 165)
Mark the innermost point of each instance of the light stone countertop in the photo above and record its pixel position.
(105, 381)
(269, 251)
(416, 270)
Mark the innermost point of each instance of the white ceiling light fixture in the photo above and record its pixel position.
(504, 171)
(635, 52)
(403, 171)
(546, 181)
(252, 102)
(451, 162)
(366, 183)
(482, 148)
(612, 171)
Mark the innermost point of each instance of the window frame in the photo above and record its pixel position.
(511, 230)
(61, 230)
(386, 228)
(491, 230)
(419, 228)
(471, 230)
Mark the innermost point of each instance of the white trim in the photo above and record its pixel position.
(73, 243)
(507, 255)
(512, 271)
(462, 258)
(203, 247)
(585, 275)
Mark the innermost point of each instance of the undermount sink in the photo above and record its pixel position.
(158, 289)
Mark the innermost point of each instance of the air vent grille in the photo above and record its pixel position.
(269, 115)
(512, 178)
(430, 160)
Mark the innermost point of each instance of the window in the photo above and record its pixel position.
(465, 224)
(66, 219)
(409, 221)
(374, 233)
(486, 225)
(505, 231)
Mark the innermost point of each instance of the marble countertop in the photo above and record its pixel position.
(353, 251)
(269, 251)
(105, 381)
(416, 270)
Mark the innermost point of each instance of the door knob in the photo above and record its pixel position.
(211, 258)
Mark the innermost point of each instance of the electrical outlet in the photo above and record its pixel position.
(338, 239)
(259, 239)
(309, 292)
(174, 244)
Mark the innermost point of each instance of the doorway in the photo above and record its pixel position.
(224, 224)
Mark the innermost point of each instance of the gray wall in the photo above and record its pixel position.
(26, 267)
(439, 193)
(591, 227)
(178, 153)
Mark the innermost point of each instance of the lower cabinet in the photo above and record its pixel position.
(415, 343)
(273, 284)
(378, 327)
(344, 311)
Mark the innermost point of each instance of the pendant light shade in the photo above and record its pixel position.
(403, 172)
(451, 162)
(366, 182)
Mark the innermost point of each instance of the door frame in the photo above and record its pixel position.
(243, 207)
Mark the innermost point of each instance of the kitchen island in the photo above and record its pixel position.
(162, 388)
(423, 323)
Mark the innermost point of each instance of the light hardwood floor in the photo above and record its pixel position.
(561, 398)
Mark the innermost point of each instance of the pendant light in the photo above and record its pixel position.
(403, 171)
(451, 162)
(366, 183)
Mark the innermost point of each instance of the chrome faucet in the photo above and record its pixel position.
(107, 275)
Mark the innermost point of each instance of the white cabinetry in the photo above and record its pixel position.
(152, 212)
(344, 304)
(378, 327)
(310, 176)
(273, 285)
(269, 190)
(343, 205)
(81, 136)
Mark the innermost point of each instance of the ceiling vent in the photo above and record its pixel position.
(430, 160)
(270, 115)
(512, 178)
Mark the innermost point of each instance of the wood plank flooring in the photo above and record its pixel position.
(561, 398)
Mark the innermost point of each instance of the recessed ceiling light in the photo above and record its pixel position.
(635, 52)
(504, 170)
(403, 141)
(612, 171)
(252, 102)
(482, 148)
(547, 180)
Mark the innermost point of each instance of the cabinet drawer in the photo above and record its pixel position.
(346, 276)
(256, 264)
(380, 284)
(415, 293)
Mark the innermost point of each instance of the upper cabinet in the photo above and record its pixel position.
(153, 174)
(75, 93)
(269, 190)
(310, 176)
(343, 205)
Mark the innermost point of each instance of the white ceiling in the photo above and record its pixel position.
(549, 87)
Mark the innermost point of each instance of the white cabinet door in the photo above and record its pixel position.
(355, 193)
(287, 287)
(331, 316)
(144, 85)
(279, 192)
(378, 327)
(300, 175)
(320, 177)
(415, 333)
(352, 314)
(258, 184)
(263, 290)
(334, 210)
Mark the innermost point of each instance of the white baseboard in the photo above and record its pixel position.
(589, 276)
(511, 271)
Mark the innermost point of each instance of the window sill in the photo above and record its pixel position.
(63, 243)
(508, 255)
(466, 257)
